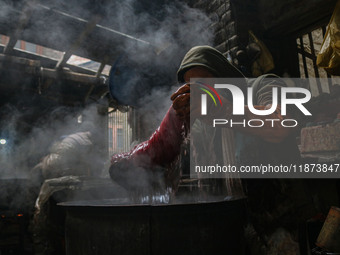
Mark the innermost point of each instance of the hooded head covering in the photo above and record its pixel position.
(209, 58)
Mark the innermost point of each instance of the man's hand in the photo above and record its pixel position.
(181, 102)
(181, 105)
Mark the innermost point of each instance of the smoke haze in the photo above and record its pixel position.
(167, 31)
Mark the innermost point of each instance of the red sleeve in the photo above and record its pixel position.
(161, 148)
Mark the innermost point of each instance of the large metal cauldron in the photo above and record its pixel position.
(97, 228)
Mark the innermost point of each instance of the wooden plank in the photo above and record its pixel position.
(37, 69)
(88, 29)
(303, 53)
(58, 30)
(69, 75)
(46, 61)
(100, 69)
(306, 53)
(316, 71)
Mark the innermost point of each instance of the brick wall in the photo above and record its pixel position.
(231, 21)
(224, 26)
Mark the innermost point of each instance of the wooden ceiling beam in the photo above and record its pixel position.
(34, 67)
(47, 61)
(90, 26)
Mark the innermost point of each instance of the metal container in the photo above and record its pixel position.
(329, 237)
(199, 228)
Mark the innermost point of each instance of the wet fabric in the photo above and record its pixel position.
(75, 154)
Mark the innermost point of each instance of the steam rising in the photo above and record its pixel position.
(170, 30)
(23, 151)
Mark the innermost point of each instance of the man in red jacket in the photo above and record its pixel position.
(163, 147)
